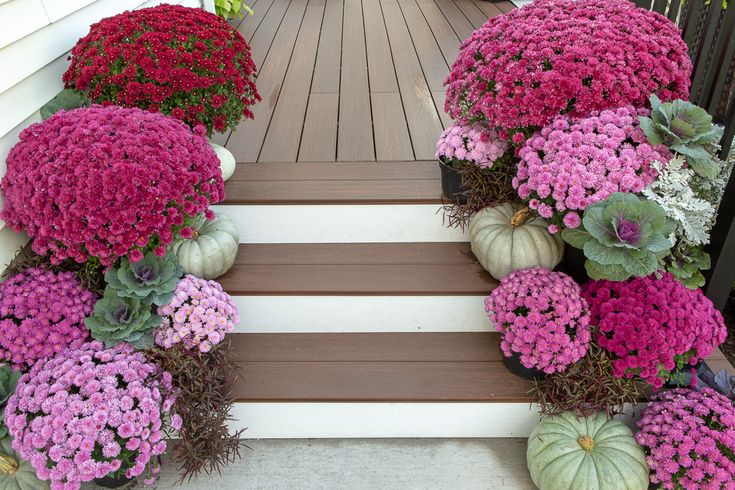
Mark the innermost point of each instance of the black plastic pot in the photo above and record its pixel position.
(514, 365)
(112, 481)
(573, 263)
(452, 184)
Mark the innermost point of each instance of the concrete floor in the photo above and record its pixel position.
(356, 464)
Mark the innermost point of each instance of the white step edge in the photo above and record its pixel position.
(313, 314)
(297, 420)
(341, 223)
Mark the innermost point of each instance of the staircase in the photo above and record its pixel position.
(361, 313)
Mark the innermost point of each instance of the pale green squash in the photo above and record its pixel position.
(507, 238)
(226, 160)
(589, 453)
(211, 251)
(15, 473)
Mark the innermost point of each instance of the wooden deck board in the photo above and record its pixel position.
(385, 269)
(354, 80)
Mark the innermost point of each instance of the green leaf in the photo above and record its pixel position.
(596, 225)
(658, 243)
(576, 237)
(598, 252)
(610, 272)
(65, 100)
(648, 127)
(682, 129)
(640, 264)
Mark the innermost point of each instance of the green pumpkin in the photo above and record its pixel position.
(15, 473)
(589, 453)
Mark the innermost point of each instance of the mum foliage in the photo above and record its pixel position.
(89, 412)
(199, 315)
(653, 325)
(183, 62)
(689, 439)
(108, 182)
(552, 57)
(41, 313)
(571, 164)
(543, 318)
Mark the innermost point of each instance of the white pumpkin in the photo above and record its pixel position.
(226, 160)
(566, 452)
(211, 251)
(507, 237)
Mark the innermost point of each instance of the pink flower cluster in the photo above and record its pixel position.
(473, 143)
(648, 323)
(89, 412)
(108, 182)
(552, 57)
(689, 439)
(199, 315)
(571, 164)
(543, 318)
(41, 313)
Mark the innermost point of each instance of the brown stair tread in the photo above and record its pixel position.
(374, 367)
(357, 269)
(335, 183)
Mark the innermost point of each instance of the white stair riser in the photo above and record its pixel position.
(312, 314)
(295, 420)
(341, 223)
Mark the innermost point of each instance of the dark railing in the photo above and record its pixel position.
(709, 31)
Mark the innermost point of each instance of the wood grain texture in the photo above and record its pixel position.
(366, 347)
(357, 269)
(355, 132)
(392, 141)
(445, 36)
(459, 22)
(476, 16)
(284, 134)
(246, 143)
(329, 56)
(423, 120)
(390, 170)
(319, 138)
(380, 61)
(432, 62)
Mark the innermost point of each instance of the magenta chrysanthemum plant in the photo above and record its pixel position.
(473, 143)
(90, 412)
(552, 57)
(543, 318)
(571, 164)
(689, 439)
(199, 315)
(108, 182)
(653, 325)
(41, 313)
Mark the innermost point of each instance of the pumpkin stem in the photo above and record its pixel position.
(520, 217)
(587, 443)
(8, 464)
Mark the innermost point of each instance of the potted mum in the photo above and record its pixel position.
(653, 326)
(183, 62)
(41, 313)
(108, 182)
(463, 151)
(688, 439)
(522, 69)
(91, 413)
(543, 319)
(199, 315)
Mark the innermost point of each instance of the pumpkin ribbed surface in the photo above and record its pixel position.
(212, 251)
(589, 453)
(507, 237)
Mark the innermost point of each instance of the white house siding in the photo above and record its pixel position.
(35, 39)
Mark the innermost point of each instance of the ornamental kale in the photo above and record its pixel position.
(8, 382)
(623, 236)
(687, 130)
(118, 319)
(152, 278)
(65, 100)
(721, 382)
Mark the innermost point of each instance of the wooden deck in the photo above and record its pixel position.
(352, 80)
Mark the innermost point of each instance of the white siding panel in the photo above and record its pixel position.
(19, 18)
(10, 243)
(56, 9)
